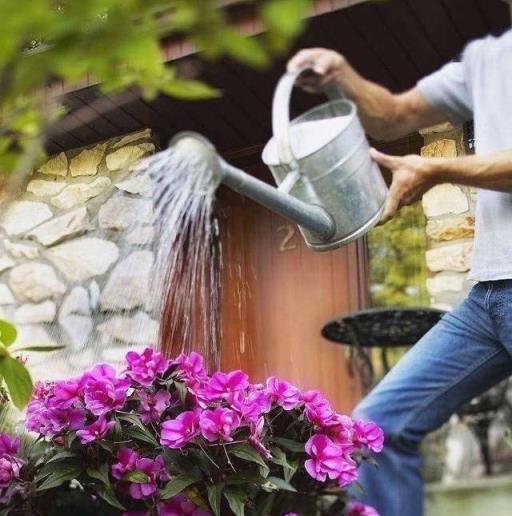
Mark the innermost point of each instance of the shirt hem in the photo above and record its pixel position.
(476, 276)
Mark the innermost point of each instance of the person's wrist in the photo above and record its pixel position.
(433, 169)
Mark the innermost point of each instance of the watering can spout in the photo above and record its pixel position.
(309, 216)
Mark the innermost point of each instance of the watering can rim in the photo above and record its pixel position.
(268, 160)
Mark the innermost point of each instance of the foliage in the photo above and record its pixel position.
(398, 270)
(12, 369)
(166, 438)
(118, 43)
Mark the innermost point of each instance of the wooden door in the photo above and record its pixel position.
(277, 295)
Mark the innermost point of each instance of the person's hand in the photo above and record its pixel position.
(412, 177)
(327, 65)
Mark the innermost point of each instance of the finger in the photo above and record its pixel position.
(392, 204)
(323, 64)
(305, 57)
(384, 159)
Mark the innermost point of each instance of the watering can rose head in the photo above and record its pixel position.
(165, 437)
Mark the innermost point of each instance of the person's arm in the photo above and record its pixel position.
(414, 175)
(384, 115)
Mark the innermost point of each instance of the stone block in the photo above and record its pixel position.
(445, 199)
(21, 216)
(453, 257)
(125, 212)
(59, 228)
(35, 313)
(445, 282)
(21, 250)
(442, 148)
(452, 228)
(139, 329)
(125, 156)
(6, 297)
(6, 262)
(79, 193)
(86, 162)
(35, 282)
(42, 188)
(132, 138)
(83, 258)
(57, 166)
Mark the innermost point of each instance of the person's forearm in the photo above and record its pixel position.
(492, 172)
(384, 115)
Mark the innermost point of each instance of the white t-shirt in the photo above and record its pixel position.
(480, 88)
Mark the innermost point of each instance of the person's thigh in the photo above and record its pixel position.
(460, 358)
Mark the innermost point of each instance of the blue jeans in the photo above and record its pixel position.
(465, 354)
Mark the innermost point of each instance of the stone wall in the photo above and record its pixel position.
(76, 257)
(450, 223)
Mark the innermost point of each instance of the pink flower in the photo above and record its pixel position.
(318, 411)
(126, 461)
(9, 445)
(144, 367)
(180, 506)
(255, 438)
(222, 385)
(250, 403)
(359, 509)
(176, 433)
(154, 470)
(327, 458)
(97, 430)
(218, 424)
(68, 392)
(191, 365)
(103, 391)
(152, 405)
(283, 393)
(370, 435)
(348, 474)
(9, 470)
(52, 421)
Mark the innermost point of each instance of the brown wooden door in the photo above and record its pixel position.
(277, 295)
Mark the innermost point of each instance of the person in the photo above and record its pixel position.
(469, 350)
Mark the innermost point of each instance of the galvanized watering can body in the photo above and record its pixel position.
(322, 158)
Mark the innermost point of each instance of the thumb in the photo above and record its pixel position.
(384, 159)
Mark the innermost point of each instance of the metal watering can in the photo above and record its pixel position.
(327, 182)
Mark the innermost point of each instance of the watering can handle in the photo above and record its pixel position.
(281, 113)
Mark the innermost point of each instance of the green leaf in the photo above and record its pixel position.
(60, 456)
(41, 349)
(8, 333)
(177, 485)
(100, 474)
(65, 473)
(289, 467)
(285, 17)
(136, 476)
(107, 493)
(189, 89)
(181, 388)
(215, 497)
(141, 434)
(281, 484)
(17, 379)
(293, 446)
(264, 504)
(247, 452)
(236, 500)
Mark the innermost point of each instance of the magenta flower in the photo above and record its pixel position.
(126, 461)
(9, 469)
(318, 411)
(221, 385)
(250, 403)
(52, 421)
(180, 506)
(327, 458)
(191, 365)
(144, 367)
(255, 438)
(283, 393)
(176, 433)
(370, 435)
(103, 391)
(218, 424)
(97, 430)
(152, 405)
(359, 509)
(68, 392)
(348, 474)
(154, 470)
(9, 445)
